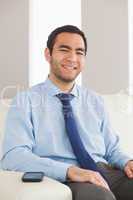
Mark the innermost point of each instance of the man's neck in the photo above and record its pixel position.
(65, 87)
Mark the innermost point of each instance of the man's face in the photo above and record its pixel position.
(68, 57)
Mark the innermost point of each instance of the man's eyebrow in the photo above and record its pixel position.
(64, 46)
(80, 49)
(68, 47)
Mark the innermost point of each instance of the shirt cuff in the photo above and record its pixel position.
(60, 171)
(123, 162)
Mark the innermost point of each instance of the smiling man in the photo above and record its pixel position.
(66, 59)
(63, 130)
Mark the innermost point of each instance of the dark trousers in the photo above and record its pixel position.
(121, 187)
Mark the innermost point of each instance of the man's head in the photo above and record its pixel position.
(65, 52)
(67, 29)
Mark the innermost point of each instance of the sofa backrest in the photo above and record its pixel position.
(4, 106)
(119, 107)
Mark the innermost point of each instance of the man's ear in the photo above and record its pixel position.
(47, 55)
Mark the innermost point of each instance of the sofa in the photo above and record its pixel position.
(120, 109)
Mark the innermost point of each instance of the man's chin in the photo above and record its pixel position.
(67, 80)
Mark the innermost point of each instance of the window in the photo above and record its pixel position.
(44, 17)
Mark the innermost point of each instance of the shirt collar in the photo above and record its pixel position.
(53, 90)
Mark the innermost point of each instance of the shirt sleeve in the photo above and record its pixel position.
(19, 142)
(114, 153)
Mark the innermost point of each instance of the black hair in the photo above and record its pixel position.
(66, 28)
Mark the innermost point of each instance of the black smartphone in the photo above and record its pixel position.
(32, 176)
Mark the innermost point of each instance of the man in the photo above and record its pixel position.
(43, 125)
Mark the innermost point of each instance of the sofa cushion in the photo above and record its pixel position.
(48, 189)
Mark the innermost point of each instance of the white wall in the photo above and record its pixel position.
(130, 41)
(106, 25)
(13, 46)
(24, 27)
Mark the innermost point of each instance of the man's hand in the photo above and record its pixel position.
(128, 169)
(83, 175)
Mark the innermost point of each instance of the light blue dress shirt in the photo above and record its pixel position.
(35, 135)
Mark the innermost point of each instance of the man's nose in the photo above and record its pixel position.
(72, 56)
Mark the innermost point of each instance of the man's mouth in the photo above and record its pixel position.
(70, 67)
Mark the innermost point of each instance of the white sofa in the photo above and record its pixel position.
(120, 109)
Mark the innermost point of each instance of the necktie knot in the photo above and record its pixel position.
(65, 98)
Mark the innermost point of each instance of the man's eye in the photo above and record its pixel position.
(80, 53)
(65, 50)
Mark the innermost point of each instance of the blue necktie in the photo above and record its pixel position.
(83, 157)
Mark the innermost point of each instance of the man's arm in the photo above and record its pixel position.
(19, 142)
(22, 159)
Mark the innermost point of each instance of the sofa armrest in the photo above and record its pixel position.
(12, 188)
